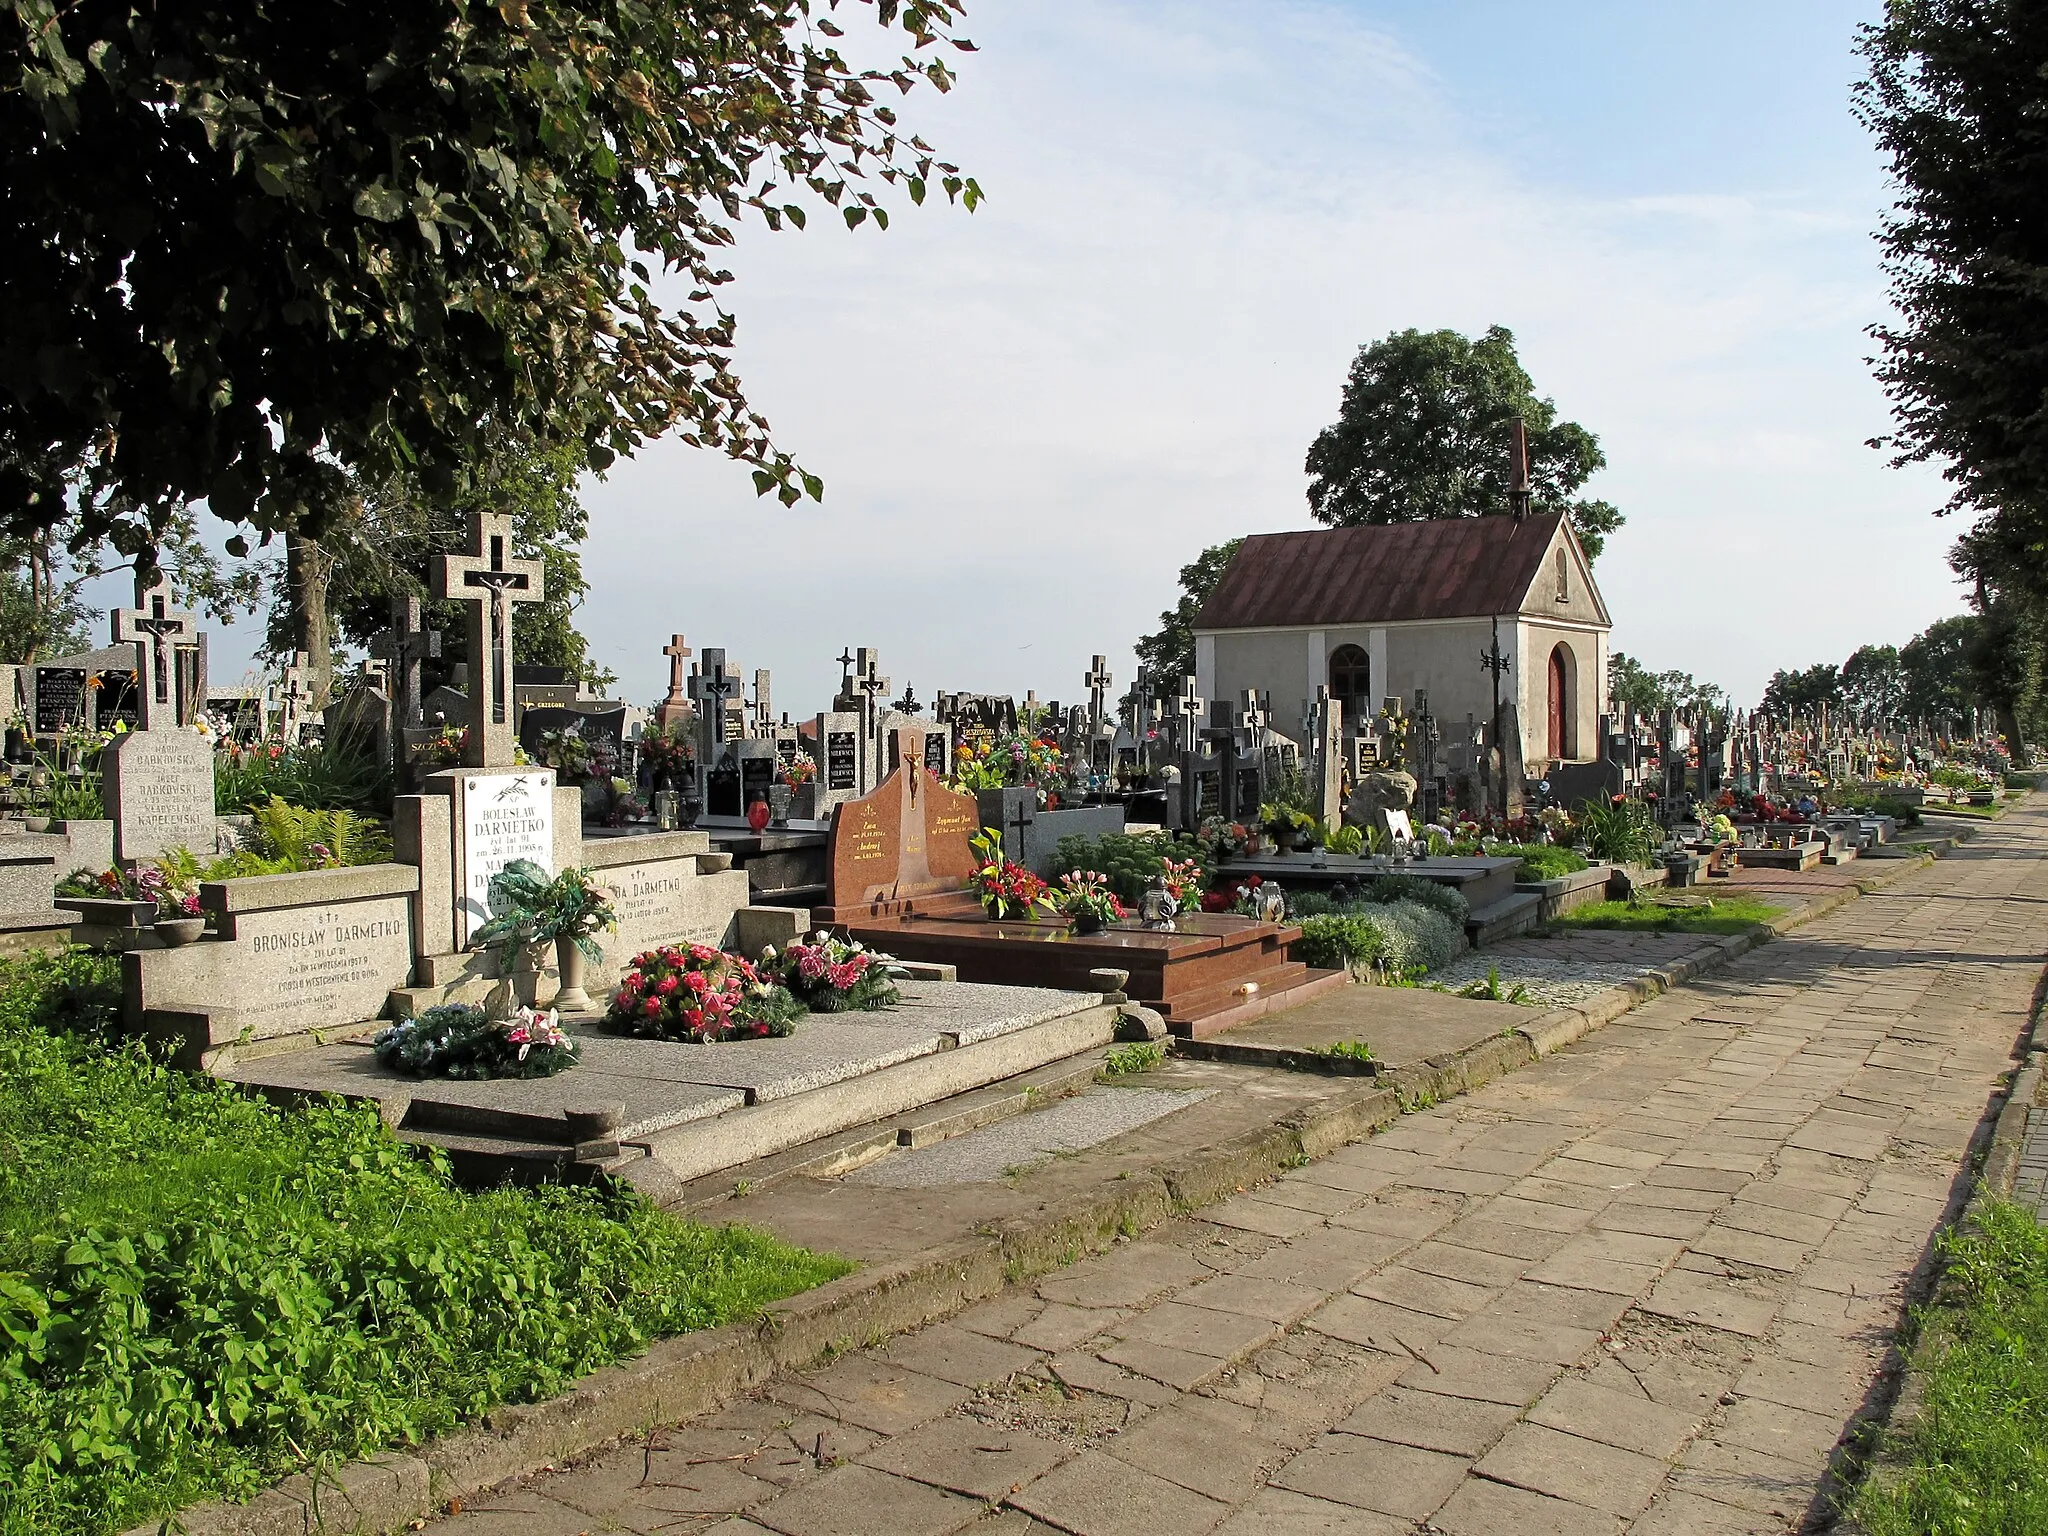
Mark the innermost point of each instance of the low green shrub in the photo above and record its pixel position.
(1445, 899)
(1130, 859)
(1412, 935)
(200, 1293)
(326, 778)
(1541, 861)
(1332, 941)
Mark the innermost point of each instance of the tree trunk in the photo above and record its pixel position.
(2009, 727)
(306, 570)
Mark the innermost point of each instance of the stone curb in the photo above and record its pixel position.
(683, 1377)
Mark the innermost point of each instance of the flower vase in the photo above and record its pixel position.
(1087, 924)
(569, 962)
(176, 932)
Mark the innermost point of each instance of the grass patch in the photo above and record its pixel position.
(1721, 914)
(1346, 1050)
(1979, 812)
(200, 1294)
(1128, 1060)
(1973, 1463)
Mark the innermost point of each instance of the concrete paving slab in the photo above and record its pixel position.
(1402, 1024)
(1087, 1119)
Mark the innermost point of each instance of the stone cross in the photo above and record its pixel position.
(155, 629)
(846, 673)
(405, 645)
(1097, 682)
(764, 713)
(1030, 709)
(489, 582)
(1253, 716)
(292, 698)
(868, 678)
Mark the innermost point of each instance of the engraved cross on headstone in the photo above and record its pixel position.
(155, 629)
(869, 680)
(405, 645)
(1253, 715)
(1097, 682)
(488, 581)
(714, 685)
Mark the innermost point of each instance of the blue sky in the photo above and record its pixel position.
(1028, 419)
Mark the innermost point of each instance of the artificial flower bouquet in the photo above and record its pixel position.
(161, 886)
(1006, 889)
(1086, 900)
(457, 1040)
(800, 770)
(831, 975)
(699, 995)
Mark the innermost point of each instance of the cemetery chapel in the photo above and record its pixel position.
(1378, 611)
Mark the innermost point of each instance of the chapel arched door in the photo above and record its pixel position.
(1559, 743)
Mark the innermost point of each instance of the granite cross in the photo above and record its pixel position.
(405, 645)
(489, 582)
(714, 686)
(764, 713)
(676, 652)
(870, 680)
(1031, 711)
(1097, 681)
(155, 629)
(1254, 715)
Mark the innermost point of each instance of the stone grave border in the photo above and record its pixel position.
(696, 1373)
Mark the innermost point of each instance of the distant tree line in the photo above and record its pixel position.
(1940, 676)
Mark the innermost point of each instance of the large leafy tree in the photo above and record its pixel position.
(1940, 685)
(1957, 96)
(1630, 682)
(1802, 691)
(252, 252)
(1873, 682)
(1168, 653)
(1423, 433)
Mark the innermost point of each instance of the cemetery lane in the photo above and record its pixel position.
(1647, 1284)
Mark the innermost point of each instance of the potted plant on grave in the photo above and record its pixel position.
(459, 1040)
(1087, 902)
(668, 757)
(832, 975)
(1006, 889)
(530, 909)
(700, 996)
(1286, 825)
(800, 773)
(159, 892)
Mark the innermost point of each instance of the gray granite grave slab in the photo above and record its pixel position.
(823, 1051)
(1088, 1119)
(969, 1012)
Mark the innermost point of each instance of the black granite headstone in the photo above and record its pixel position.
(842, 761)
(60, 698)
(756, 774)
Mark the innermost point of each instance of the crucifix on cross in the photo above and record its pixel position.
(488, 582)
(155, 629)
(1097, 681)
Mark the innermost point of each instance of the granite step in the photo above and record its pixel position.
(1508, 918)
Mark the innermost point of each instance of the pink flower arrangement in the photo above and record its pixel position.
(698, 994)
(830, 975)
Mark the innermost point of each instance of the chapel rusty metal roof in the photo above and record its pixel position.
(1452, 568)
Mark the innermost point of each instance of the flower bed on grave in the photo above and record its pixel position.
(458, 1040)
(701, 995)
(829, 975)
(203, 1293)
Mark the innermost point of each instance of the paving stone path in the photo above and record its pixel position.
(1645, 1285)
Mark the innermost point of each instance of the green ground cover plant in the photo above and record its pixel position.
(1540, 861)
(200, 1293)
(1972, 1463)
(1721, 914)
(327, 778)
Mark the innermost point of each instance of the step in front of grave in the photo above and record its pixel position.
(1509, 918)
(1211, 1013)
(835, 1156)
(714, 1145)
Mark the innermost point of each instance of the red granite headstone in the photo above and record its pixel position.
(907, 839)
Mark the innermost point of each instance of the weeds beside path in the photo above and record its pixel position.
(200, 1293)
